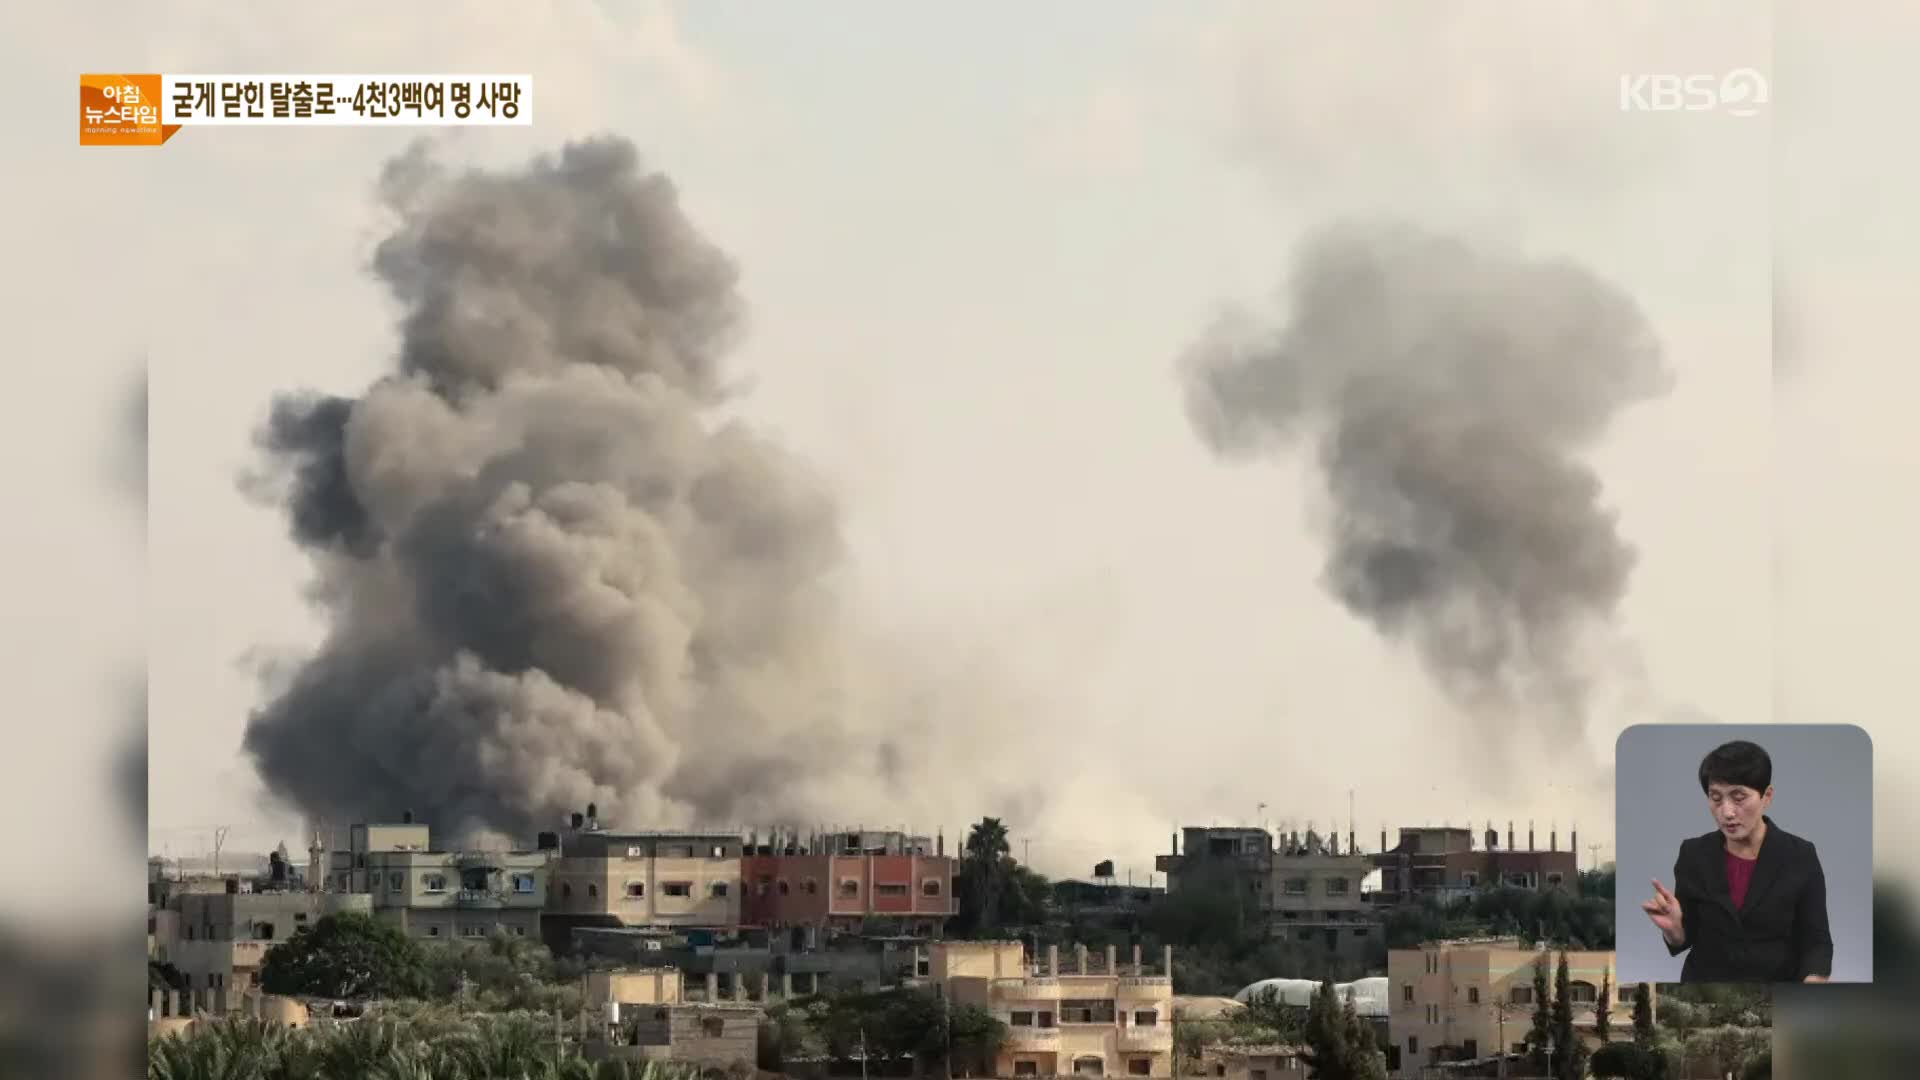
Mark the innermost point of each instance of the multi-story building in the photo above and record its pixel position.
(442, 895)
(1305, 886)
(849, 881)
(1097, 1017)
(1444, 864)
(1240, 856)
(1468, 1000)
(614, 878)
(1316, 897)
(219, 941)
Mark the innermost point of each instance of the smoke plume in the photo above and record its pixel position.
(552, 575)
(1449, 391)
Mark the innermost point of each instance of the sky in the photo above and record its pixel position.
(972, 246)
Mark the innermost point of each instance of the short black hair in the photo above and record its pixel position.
(1739, 762)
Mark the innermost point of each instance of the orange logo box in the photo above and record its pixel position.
(123, 110)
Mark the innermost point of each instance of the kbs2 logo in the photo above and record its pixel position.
(1742, 92)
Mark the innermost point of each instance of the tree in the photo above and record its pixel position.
(349, 955)
(984, 870)
(1569, 1054)
(1642, 1015)
(1364, 1061)
(975, 1037)
(1329, 1054)
(1542, 1029)
(1603, 1009)
(1627, 1061)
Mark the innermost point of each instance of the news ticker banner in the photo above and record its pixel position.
(146, 110)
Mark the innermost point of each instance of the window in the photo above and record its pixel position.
(1360, 932)
(1296, 886)
(712, 1027)
(1473, 995)
(1582, 993)
(263, 931)
(1146, 1018)
(346, 882)
(1472, 1047)
(923, 967)
(1413, 1044)
(473, 930)
(1021, 1018)
(930, 887)
(1520, 995)
(718, 851)
(784, 889)
(849, 888)
(677, 888)
(433, 931)
(519, 931)
(1043, 1018)
(1433, 1014)
(719, 890)
(676, 851)
(1406, 993)
(810, 887)
(1026, 1068)
(1219, 1070)
(1139, 1066)
(300, 917)
(1626, 993)
(593, 890)
(1337, 886)
(436, 883)
(1553, 879)
(566, 890)
(1470, 880)
(396, 882)
(890, 890)
(523, 884)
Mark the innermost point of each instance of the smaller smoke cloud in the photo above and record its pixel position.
(1449, 391)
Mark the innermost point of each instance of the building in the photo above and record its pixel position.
(219, 941)
(888, 882)
(1444, 864)
(634, 986)
(713, 1036)
(610, 878)
(1464, 1001)
(442, 895)
(1098, 1016)
(1263, 1062)
(1240, 856)
(1316, 897)
(1307, 888)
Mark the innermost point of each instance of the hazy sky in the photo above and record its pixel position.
(973, 245)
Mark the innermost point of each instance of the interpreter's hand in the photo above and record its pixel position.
(1664, 910)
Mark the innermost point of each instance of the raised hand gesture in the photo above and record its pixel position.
(1664, 910)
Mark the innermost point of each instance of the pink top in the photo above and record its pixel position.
(1739, 874)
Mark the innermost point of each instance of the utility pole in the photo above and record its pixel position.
(1593, 854)
(219, 839)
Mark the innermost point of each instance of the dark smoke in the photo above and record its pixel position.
(552, 576)
(1449, 391)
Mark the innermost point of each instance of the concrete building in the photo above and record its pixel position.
(1263, 1062)
(1316, 898)
(876, 881)
(442, 895)
(618, 878)
(636, 986)
(713, 1036)
(1093, 1016)
(1241, 856)
(220, 940)
(1445, 864)
(1470, 1000)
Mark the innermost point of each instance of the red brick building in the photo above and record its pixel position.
(1445, 864)
(845, 881)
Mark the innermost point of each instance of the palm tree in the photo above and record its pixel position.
(987, 853)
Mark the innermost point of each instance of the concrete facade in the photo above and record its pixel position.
(1446, 864)
(438, 895)
(1101, 1014)
(679, 879)
(1308, 889)
(1458, 1001)
(711, 1036)
(219, 941)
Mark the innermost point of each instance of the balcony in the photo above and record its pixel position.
(1030, 989)
(479, 898)
(1034, 1038)
(1145, 986)
(1146, 1038)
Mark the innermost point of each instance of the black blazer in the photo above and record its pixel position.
(1779, 935)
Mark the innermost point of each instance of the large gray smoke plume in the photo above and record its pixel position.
(552, 576)
(1450, 391)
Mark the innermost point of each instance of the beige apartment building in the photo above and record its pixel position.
(607, 878)
(219, 941)
(1093, 1016)
(443, 895)
(1459, 1001)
